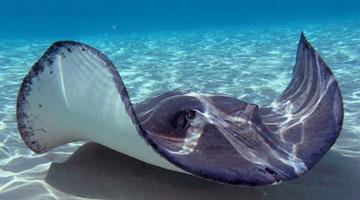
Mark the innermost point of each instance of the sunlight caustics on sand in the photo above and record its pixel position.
(251, 63)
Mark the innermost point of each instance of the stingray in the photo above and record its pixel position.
(74, 93)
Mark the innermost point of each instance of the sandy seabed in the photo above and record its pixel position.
(251, 63)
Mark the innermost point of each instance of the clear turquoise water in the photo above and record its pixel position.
(237, 48)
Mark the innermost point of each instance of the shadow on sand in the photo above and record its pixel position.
(95, 171)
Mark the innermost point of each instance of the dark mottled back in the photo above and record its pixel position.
(228, 140)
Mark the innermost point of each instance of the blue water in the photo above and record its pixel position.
(38, 18)
(240, 48)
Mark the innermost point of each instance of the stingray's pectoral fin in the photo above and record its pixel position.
(73, 92)
(308, 115)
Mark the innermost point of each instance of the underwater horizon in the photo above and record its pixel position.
(245, 49)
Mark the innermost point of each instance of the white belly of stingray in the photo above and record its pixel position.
(73, 93)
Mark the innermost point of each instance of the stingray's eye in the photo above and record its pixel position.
(179, 120)
(190, 114)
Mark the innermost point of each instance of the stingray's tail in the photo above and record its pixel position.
(309, 113)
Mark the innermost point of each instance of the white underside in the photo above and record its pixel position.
(79, 101)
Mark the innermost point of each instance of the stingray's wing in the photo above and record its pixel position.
(74, 92)
(308, 115)
(69, 84)
(238, 143)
